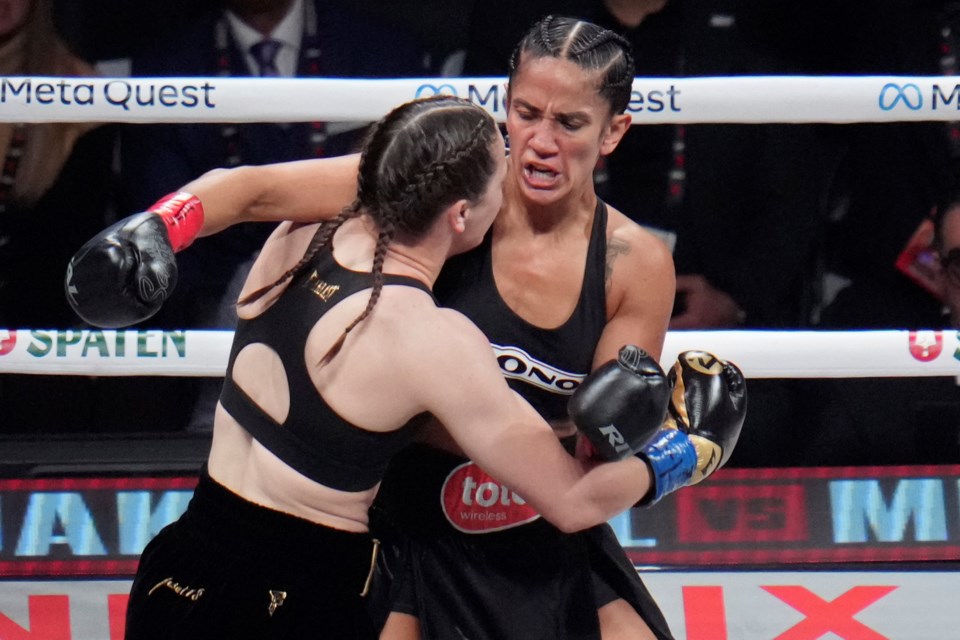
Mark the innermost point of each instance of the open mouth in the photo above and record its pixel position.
(538, 176)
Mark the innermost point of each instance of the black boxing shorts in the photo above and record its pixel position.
(229, 568)
(470, 559)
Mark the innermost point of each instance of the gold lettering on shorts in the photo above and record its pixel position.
(321, 288)
(373, 565)
(276, 600)
(183, 591)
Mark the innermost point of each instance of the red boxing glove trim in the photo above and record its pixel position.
(183, 215)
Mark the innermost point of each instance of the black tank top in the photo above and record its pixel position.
(542, 365)
(313, 440)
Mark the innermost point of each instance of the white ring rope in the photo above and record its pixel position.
(736, 99)
(731, 99)
(760, 354)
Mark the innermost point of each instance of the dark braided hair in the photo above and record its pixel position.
(587, 45)
(417, 160)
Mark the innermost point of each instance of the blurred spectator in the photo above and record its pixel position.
(114, 29)
(55, 191)
(55, 176)
(752, 204)
(893, 172)
(302, 38)
(754, 201)
(871, 421)
(308, 39)
(947, 245)
(441, 26)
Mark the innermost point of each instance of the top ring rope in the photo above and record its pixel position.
(731, 99)
(760, 354)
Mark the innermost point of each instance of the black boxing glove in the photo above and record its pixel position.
(622, 404)
(122, 275)
(707, 409)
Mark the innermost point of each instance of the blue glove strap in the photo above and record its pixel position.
(672, 458)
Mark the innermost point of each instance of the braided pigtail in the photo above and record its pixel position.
(384, 238)
(320, 240)
(423, 156)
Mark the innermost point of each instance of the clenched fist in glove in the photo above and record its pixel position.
(622, 404)
(706, 413)
(122, 275)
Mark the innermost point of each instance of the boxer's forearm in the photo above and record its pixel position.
(305, 191)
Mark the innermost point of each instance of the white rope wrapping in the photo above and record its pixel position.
(760, 354)
(732, 99)
(743, 99)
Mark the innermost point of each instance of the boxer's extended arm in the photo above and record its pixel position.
(462, 386)
(301, 191)
(122, 276)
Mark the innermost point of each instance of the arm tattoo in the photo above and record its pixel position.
(614, 248)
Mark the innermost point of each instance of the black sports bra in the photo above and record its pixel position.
(313, 440)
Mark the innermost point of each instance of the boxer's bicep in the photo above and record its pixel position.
(301, 191)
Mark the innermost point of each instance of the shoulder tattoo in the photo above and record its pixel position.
(615, 248)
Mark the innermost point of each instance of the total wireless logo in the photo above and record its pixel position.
(473, 502)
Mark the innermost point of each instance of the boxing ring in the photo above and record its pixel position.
(752, 554)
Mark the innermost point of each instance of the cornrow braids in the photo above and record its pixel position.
(587, 45)
(545, 31)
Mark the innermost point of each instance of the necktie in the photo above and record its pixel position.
(265, 53)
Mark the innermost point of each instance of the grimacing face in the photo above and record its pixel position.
(559, 126)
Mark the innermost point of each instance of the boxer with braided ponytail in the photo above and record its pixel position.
(560, 284)
(339, 356)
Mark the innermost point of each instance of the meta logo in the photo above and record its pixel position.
(430, 90)
(518, 364)
(893, 94)
(487, 96)
(910, 96)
